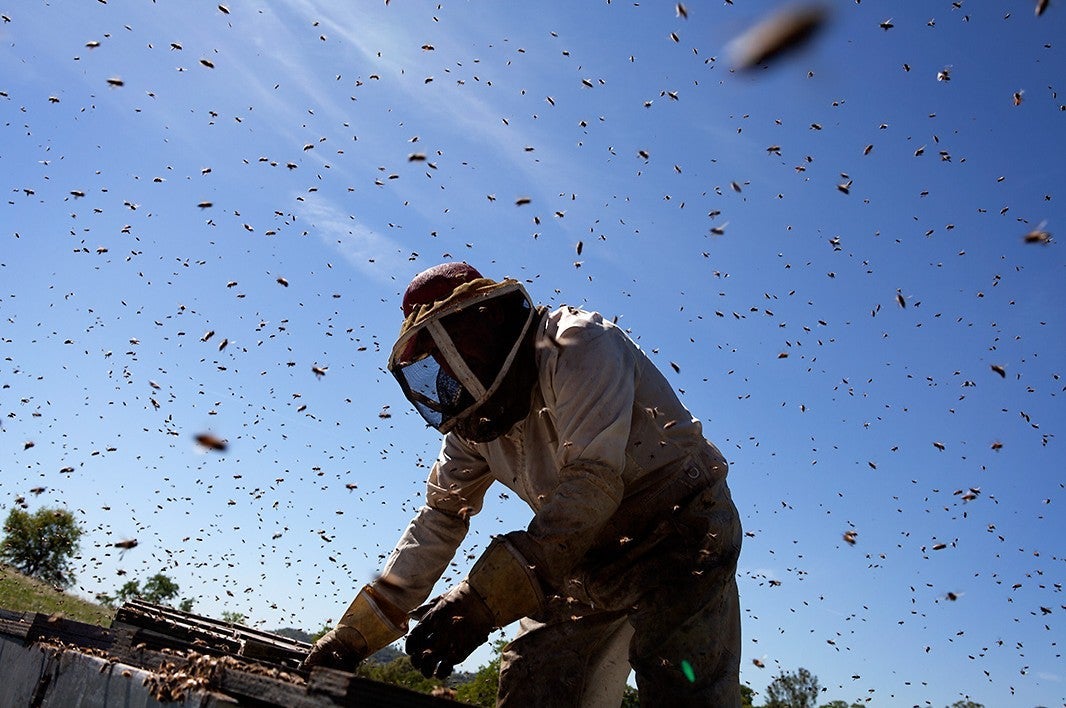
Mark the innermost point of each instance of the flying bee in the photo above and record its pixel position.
(124, 546)
(210, 441)
(1038, 236)
(782, 32)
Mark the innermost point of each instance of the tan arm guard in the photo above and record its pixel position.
(376, 620)
(505, 583)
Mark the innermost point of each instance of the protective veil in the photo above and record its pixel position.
(452, 355)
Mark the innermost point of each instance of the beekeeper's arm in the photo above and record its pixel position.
(378, 614)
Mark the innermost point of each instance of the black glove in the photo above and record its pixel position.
(457, 623)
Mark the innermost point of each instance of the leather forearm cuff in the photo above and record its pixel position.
(370, 616)
(506, 583)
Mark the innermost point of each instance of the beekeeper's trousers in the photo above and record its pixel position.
(681, 636)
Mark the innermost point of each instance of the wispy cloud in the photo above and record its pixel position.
(371, 253)
(396, 54)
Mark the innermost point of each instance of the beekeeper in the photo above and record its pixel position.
(630, 558)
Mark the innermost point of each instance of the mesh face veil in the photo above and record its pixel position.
(452, 355)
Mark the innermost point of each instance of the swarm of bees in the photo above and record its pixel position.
(805, 304)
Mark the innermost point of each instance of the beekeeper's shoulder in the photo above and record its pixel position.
(568, 326)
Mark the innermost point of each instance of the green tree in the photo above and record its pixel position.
(747, 696)
(841, 704)
(42, 544)
(234, 617)
(481, 689)
(326, 628)
(158, 589)
(399, 672)
(966, 704)
(793, 690)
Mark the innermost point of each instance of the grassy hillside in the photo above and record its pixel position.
(22, 594)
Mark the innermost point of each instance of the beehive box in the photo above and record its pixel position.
(158, 656)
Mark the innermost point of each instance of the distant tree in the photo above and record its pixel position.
(129, 590)
(385, 654)
(747, 696)
(481, 689)
(841, 704)
(966, 704)
(42, 544)
(630, 698)
(399, 672)
(321, 633)
(158, 589)
(293, 633)
(793, 690)
(234, 617)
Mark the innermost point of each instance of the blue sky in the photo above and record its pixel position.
(344, 147)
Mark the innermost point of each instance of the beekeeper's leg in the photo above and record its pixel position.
(686, 644)
(567, 663)
(695, 664)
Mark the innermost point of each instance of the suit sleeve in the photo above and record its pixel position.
(455, 491)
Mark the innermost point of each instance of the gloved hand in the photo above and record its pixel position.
(370, 623)
(457, 623)
(341, 648)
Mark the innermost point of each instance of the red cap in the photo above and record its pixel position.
(436, 283)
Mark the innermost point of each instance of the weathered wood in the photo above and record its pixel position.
(271, 691)
(347, 689)
(44, 627)
(16, 624)
(48, 660)
(206, 632)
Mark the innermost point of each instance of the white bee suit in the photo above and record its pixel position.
(634, 534)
